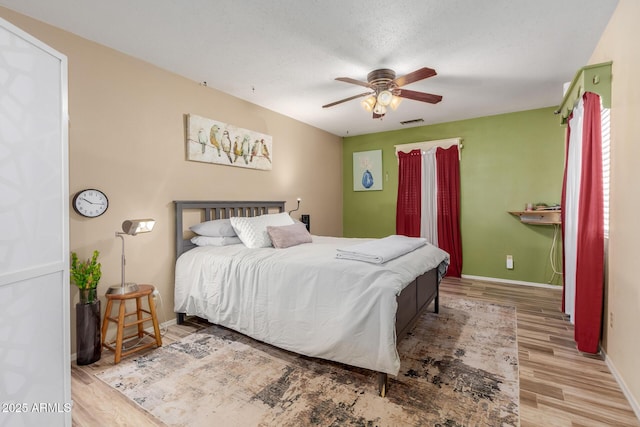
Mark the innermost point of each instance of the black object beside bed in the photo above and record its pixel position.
(414, 299)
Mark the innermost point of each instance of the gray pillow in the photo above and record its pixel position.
(289, 235)
(214, 228)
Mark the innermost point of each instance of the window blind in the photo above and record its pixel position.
(606, 145)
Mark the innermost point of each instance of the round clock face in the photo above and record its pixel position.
(90, 203)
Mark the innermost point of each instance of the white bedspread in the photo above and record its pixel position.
(302, 298)
(379, 251)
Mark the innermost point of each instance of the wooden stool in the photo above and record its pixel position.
(143, 290)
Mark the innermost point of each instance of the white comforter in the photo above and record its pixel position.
(302, 298)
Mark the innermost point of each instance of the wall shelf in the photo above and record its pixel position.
(539, 217)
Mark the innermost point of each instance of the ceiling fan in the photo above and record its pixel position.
(386, 90)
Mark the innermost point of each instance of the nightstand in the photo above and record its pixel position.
(141, 316)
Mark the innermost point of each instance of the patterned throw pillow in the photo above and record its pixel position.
(253, 230)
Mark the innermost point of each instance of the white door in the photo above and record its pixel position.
(35, 364)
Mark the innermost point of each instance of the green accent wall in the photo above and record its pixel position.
(507, 161)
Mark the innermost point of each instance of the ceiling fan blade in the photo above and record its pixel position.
(354, 81)
(419, 96)
(347, 99)
(420, 74)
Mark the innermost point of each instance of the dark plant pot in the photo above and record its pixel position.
(88, 296)
(88, 343)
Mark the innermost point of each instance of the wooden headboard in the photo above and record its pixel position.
(209, 210)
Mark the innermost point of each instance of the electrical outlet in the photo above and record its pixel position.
(611, 320)
(509, 262)
(155, 293)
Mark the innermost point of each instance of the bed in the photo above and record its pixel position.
(302, 298)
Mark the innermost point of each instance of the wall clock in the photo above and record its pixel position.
(90, 203)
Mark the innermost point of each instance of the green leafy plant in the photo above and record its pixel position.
(86, 276)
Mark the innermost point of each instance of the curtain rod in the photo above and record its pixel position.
(591, 78)
(427, 145)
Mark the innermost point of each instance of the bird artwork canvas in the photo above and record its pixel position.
(211, 141)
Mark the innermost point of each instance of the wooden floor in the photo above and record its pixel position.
(558, 385)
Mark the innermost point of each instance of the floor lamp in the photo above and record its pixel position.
(130, 227)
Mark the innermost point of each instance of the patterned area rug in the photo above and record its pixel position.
(458, 368)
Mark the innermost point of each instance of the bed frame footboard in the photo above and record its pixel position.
(412, 302)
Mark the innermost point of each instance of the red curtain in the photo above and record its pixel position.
(449, 240)
(590, 255)
(409, 191)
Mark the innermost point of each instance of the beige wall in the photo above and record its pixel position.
(127, 138)
(622, 344)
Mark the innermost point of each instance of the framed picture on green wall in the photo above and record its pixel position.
(367, 170)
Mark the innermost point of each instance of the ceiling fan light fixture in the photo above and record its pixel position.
(386, 90)
(395, 101)
(385, 97)
(380, 109)
(368, 103)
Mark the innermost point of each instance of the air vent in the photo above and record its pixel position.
(410, 122)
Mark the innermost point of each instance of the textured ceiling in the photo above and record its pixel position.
(492, 56)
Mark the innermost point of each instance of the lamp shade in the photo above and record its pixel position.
(395, 101)
(135, 226)
(368, 103)
(380, 109)
(384, 98)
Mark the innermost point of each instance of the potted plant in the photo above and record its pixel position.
(86, 276)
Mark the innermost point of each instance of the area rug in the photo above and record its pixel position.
(458, 368)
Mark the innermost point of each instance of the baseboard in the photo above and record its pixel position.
(623, 386)
(511, 282)
(167, 323)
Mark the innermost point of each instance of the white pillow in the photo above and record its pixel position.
(214, 228)
(253, 230)
(215, 241)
